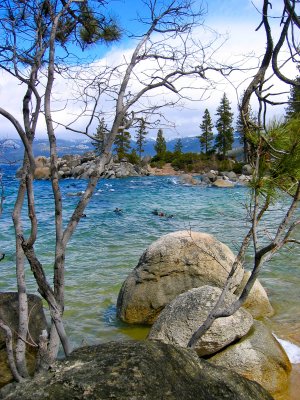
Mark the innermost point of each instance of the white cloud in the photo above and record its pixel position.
(243, 41)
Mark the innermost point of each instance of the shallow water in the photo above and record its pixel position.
(106, 246)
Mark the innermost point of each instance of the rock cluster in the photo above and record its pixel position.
(175, 285)
(82, 167)
(145, 370)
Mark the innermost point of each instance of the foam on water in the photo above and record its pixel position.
(291, 349)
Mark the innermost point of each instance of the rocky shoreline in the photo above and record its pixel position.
(82, 167)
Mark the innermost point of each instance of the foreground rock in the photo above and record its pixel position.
(182, 317)
(37, 323)
(258, 357)
(170, 266)
(137, 371)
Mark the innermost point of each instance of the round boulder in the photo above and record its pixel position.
(257, 302)
(258, 357)
(145, 370)
(182, 317)
(170, 266)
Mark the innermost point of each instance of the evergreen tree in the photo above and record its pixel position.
(207, 137)
(178, 147)
(224, 138)
(244, 136)
(122, 143)
(141, 137)
(293, 107)
(100, 137)
(160, 146)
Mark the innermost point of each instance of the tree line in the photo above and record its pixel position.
(210, 144)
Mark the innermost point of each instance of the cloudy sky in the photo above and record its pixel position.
(235, 19)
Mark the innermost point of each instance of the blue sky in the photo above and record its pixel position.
(236, 18)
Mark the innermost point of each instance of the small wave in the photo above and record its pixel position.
(291, 349)
(172, 181)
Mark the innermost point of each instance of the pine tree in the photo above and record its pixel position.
(293, 107)
(141, 137)
(100, 137)
(178, 146)
(122, 143)
(207, 137)
(244, 137)
(224, 139)
(160, 146)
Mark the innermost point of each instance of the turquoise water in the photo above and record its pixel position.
(106, 246)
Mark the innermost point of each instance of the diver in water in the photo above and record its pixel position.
(118, 210)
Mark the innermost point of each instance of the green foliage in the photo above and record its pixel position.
(141, 137)
(157, 164)
(100, 137)
(96, 28)
(160, 146)
(122, 143)
(207, 137)
(178, 147)
(293, 108)
(133, 157)
(279, 154)
(224, 138)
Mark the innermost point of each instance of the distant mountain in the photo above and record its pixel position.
(13, 149)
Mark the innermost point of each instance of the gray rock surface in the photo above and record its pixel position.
(145, 370)
(258, 357)
(82, 167)
(182, 317)
(37, 323)
(170, 266)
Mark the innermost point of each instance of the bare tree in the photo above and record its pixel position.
(34, 50)
(275, 159)
(31, 33)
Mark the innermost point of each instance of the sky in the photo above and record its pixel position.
(235, 19)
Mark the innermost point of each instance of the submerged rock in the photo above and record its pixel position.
(170, 266)
(182, 317)
(223, 183)
(145, 370)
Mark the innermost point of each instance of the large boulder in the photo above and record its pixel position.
(145, 370)
(42, 173)
(258, 357)
(257, 302)
(182, 317)
(170, 266)
(37, 323)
